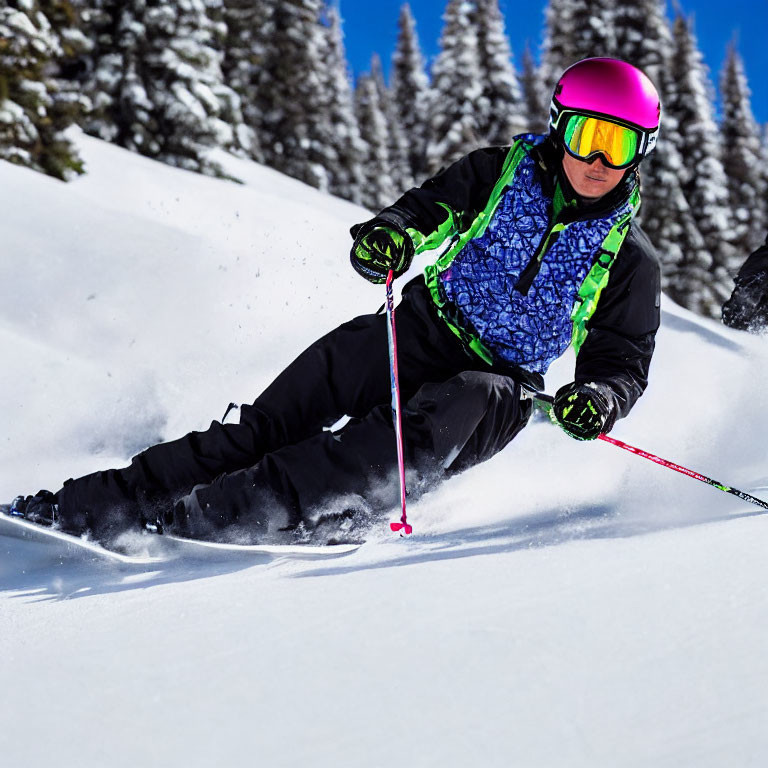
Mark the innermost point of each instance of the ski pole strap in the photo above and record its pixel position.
(547, 400)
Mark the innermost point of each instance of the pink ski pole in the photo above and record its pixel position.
(403, 525)
(547, 400)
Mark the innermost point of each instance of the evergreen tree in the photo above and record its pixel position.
(297, 116)
(594, 29)
(410, 92)
(743, 157)
(559, 37)
(36, 107)
(348, 150)
(157, 81)
(643, 37)
(579, 29)
(764, 147)
(703, 177)
(380, 189)
(536, 93)
(101, 73)
(236, 135)
(501, 99)
(249, 25)
(400, 170)
(456, 89)
(576, 29)
(69, 105)
(686, 263)
(68, 20)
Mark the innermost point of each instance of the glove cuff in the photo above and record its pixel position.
(372, 275)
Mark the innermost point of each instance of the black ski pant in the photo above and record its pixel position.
(280, 466)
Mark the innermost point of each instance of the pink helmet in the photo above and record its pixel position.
(611, 89)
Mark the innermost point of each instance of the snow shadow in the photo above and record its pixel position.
(35, 572)
(684, 325)
(525, 533)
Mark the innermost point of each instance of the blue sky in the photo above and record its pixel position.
(372, 27)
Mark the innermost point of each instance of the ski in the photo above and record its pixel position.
(148, 548)
(65, 544)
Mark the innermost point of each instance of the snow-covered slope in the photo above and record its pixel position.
(562, 605)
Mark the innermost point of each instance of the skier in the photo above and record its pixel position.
(747, 309)
(538, 250)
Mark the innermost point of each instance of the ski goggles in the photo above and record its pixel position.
(587, 136)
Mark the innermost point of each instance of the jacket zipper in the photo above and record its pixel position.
(528, 275)
(566, 215)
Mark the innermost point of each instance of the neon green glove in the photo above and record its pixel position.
(378, 249)
(582, 411)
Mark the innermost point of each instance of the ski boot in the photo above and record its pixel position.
(42, 508)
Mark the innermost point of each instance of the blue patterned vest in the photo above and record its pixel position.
(527, 323)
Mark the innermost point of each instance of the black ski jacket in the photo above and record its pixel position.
(621, 332)
(747, 309)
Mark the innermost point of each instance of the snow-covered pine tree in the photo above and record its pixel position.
(157, 82)
(68, 19)
(703, 179)
(764, 147)
(594, 28)
(536, 93)
(229, 111)
(575, 30)
(249, 26)
(501, 99)
(35, 107)
(101, 73)
(347, 176)
(743, 157)
(558, 50)
(297, 119)
(181, 74)
(456, 89)
(685, 261)
(400, 170)
(643, 37)
(686, 268)
(410, 91)
(68, 105)
(668, 220)
(380, 189)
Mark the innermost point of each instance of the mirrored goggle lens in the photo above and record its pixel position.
(586, 136)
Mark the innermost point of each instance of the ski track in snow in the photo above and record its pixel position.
(562, 604)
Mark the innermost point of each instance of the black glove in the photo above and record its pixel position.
(584, 411)
(381, 246)
(747, 309)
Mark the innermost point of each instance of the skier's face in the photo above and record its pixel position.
(591, 180)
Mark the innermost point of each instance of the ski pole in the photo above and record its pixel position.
(403, 525)
(547, 400)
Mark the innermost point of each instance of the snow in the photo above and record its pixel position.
(562, 604)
